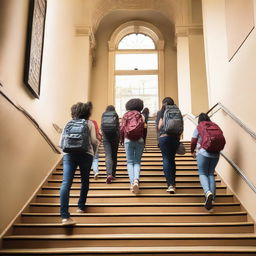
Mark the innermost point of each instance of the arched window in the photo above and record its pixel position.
(135, 65)
(136, 41)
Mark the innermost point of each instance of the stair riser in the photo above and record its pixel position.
(136, 209)
(129, 230)
(152, 159)
(154, 169)
(142, 190)
(124, 177)
(148, 175)
(137, 199)
(94, 184)
(138, 219)
(154, 164)
(145, 254)
(49, 243)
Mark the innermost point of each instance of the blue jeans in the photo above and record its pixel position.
(134, 151)
(206, 168)
(70, 163)
(168, 146)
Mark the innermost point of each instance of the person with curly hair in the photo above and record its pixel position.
(72, 160)
(132, 135)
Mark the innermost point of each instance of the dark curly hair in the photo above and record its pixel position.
(203, 117)
(168, 101)
(134, 104)
(110, 108)
(81, 111)
(145, 113)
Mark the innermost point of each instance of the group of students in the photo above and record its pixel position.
(81, 139)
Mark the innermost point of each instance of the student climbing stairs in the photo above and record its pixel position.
(118, 222)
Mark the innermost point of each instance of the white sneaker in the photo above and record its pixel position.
(208, 200)
(171, 189)
(68, 222)
(136, 187)
(96, 176)
(80, 210)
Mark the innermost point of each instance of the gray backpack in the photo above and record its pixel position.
(173, 120)
(75, 136)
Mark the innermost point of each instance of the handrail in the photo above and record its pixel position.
(236, 119)
(241, 124)
(33, 121)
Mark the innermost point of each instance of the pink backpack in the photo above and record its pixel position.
(132, 125)
(212, 136)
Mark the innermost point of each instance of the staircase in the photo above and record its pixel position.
(118, 222)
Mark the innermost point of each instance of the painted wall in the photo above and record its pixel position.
(198, 80)
(233, 84)
(109, 23)
(25, 157)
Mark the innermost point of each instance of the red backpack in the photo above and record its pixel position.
(212, 136)
(132, 125)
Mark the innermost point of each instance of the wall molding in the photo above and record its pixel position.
(82, 30)
(186, 30)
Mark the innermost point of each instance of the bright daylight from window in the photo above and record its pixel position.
(130, 85)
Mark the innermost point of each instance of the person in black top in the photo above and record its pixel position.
(111, 137)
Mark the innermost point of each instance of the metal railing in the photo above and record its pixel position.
(34, 122)
(239, 171)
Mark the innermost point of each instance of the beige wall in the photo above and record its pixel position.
(233, 84)
(198, 80)
(109, 23)
(25, 156)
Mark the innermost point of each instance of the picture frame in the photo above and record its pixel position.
(34, 46)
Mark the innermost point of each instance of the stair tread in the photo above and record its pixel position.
(140, 195)
(147, 249)
(153, 224)
(142, 214)
(135, 236)
(136, 204)
(125, 188)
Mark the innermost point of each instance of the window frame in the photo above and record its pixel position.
(124, 30)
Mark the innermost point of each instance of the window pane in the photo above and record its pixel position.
(136, 41)
(136, 61)
(144, 87)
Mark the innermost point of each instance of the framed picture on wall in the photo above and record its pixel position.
(34, 47)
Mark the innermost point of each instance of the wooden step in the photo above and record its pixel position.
(119, 222)
(143, 189)
(140, 198)
(137, 207)
(143, 175)
(131, 228)
(152, 159)
(154, 163)
(124, 183)
(144, 250)
(186, 217)
(46, 241)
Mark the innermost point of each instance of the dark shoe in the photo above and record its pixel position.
(109, 179)
(208, 200)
